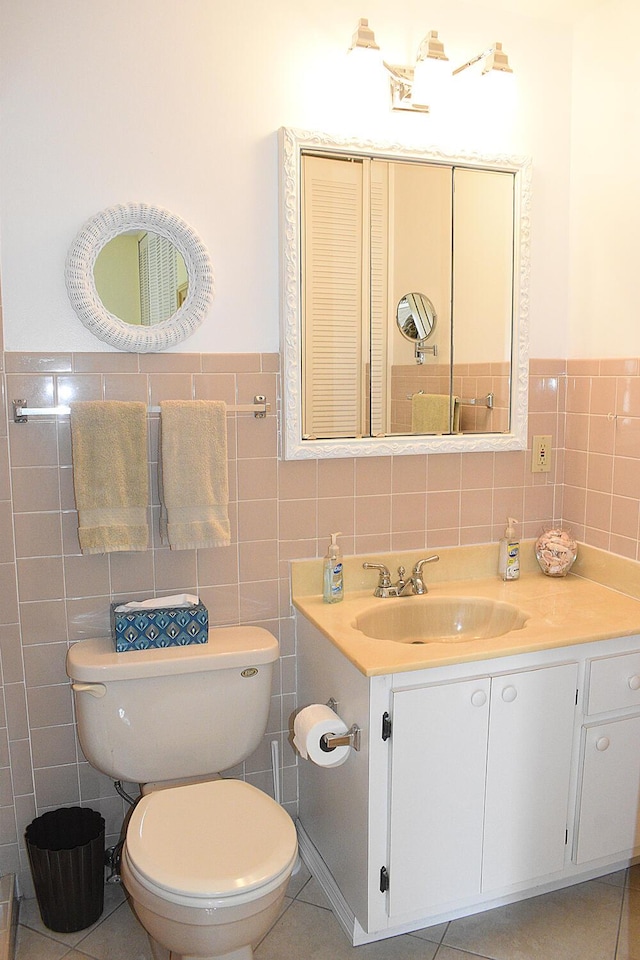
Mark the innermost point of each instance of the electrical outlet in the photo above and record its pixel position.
(541, 454)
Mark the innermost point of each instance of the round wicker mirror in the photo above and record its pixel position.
(143, 337)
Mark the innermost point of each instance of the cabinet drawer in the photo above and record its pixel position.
(614, 682)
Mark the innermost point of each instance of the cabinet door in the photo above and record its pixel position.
(609, 814)
(528, 770)
(439, 744)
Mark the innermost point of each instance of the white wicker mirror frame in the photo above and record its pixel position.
(95, 234)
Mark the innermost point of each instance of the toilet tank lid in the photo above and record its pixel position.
(227, 648)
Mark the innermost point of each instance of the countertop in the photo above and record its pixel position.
(601, 600)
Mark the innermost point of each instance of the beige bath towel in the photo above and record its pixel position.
(110, 475)
(430, 413)
(194, 488)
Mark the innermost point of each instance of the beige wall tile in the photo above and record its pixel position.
(8, 596)
(258, 560)
(336, 514)
(50, 705)
(38, 535)
(44, 664)
(88, 618)
(126, 386)
(257, 479)
(35, 489)
(105, 362)
(297, 519)
(53, 746)
(373, 516)
(297, 479)
(21, 767)
(86, 576)
(408, 512)
(170, 386)
(336, 478)
(40, 578)
(373, 476)
(86, 386)
(231, 362)
(170, 363)
(38, 362)
(216, 386)
(57, 786)
(258, 520)
(33, 444)
(256, 438)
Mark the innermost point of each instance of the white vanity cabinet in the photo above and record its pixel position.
(609, 798)
(479, 785)
(476, 784)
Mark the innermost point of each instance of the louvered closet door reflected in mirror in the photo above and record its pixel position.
(336, 298)
(372, 231)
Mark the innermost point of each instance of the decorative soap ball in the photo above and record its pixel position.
(556, 551)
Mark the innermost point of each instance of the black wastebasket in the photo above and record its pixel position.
(66, 853)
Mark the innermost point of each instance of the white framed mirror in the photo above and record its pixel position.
(139, 278)
(470, 259)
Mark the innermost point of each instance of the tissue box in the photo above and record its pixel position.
(162, 627)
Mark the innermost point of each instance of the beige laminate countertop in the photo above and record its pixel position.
(600, 601)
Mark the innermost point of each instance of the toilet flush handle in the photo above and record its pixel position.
(94, 689)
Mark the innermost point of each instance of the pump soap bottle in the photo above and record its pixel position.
(509, 553)
(333, 586)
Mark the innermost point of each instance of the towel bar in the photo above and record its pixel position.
(21, 412)
(486, 401)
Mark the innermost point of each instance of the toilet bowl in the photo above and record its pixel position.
(206, 866)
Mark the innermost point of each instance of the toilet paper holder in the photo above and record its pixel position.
(351, 738)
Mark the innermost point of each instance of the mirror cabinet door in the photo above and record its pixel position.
(376, 234)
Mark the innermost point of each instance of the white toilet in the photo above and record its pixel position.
(206, 861)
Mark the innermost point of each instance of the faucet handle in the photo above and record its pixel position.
(384, 588)
(420, 564)
(385, 575)
(419, 586)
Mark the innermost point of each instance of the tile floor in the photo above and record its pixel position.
(598, 920)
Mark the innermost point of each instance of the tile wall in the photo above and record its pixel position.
(50, 595)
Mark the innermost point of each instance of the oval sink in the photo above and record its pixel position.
(440, 620)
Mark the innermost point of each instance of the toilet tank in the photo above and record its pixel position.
(149, 715)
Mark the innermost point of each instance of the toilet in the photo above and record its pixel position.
(206, 860)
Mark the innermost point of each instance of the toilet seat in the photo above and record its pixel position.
(216, 841)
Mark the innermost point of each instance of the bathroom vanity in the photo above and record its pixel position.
(489, 770)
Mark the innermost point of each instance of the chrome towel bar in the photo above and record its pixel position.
(21, 412)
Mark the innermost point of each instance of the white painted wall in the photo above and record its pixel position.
(177, 102)
(605, 270)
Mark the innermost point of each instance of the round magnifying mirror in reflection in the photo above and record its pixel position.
(416, 316)
(141, 277)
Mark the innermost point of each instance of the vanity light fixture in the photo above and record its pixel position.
(495, 59)
(412, 85)
(363, 37)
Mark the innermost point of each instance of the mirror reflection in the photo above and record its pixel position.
(416, 316)
(141, 277)
(374, 228)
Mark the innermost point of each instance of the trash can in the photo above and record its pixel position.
(66, 854)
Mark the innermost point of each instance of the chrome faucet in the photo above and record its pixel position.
(403, 587)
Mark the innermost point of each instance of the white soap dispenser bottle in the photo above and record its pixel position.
(332, 583)
(509, 553)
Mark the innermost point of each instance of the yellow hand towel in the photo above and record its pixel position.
(430, 413)
(110, 475)
(194, 487)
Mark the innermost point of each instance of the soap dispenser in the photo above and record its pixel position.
(333, 586)
(509, 553)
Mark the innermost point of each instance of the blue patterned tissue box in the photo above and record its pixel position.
(162, 627)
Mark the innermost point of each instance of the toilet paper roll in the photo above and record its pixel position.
(310, 724)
